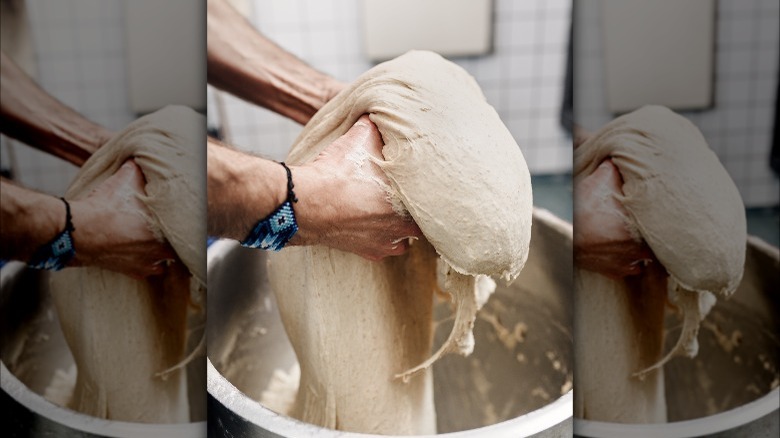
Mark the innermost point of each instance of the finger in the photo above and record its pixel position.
(128, 172)
(633, 269)
(157, 268)
(412, 230)
(607, 176)
(372, 257)
(365, 134)
(165, 252)
(398, 248)
(122, 177)
(406, 230)
(127, 177)
(645, 254)
(138, 180)
(392, 249)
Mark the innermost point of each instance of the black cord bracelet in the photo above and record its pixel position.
(59, 251)
(290, 193)
(273, 232)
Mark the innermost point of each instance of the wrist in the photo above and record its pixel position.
(48, 216)
(58, 251)
(276, 229)
(241, 189)
(317, 193)
(84, 234)
(30, 220)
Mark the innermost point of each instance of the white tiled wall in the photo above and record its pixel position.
(739, 127)
(80, 50)
(522, 78)
(81, 61)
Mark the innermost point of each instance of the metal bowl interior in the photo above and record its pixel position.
(33, 349)
(497, 385)
(731, 386)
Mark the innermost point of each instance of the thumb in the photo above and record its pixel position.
(365, 134)
(362, 135)
(129, 175)
(128, 179)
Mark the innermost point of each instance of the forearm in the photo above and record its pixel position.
(34, 117)
(244, 189)
(110, 227)
(29, 220)
(241, 190)
(244, 63)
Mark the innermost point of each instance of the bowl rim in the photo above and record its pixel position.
(554, 413)
(720, 422)
(253, 412)
(37, 404)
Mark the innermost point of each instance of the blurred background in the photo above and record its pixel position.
(110, 60)
(713, 61)
(516, 50)
(84, 53)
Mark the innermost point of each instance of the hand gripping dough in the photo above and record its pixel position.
(681, 201)
(125, 332)
(359, 328)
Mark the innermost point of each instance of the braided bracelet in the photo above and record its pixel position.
(273, 232)
(56, 254)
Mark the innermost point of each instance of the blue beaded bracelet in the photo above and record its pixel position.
(56, 254)
(273, 232)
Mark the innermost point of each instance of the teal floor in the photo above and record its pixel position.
(554, 193)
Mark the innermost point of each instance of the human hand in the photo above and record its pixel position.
(112, 229)
(344, 202)
(602, 240)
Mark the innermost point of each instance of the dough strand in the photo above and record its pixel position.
(356, 325)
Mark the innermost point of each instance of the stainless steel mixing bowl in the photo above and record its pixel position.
(529, 385)
(33, 348)
(730, 388)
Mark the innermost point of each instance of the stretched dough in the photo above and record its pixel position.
(124, 332)
(362, 330)
(683, 203)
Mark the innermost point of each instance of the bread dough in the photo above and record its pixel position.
(362, 330)
(124, 332)
(683, 203)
